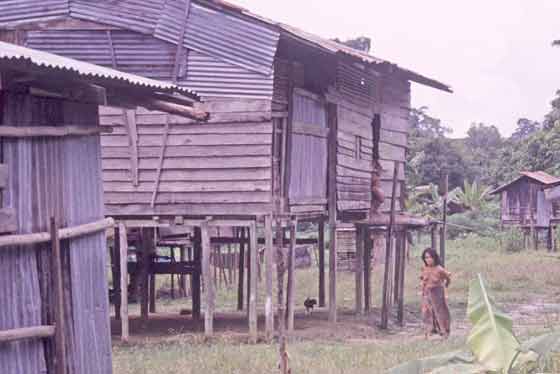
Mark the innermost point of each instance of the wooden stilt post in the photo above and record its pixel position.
(359, 269)
(182, 278)
(172, 255)
(368, 248)
(290, 297)
(144, 273)
(123, 246)
(434, 228)
(253, 250)
(208, 281)
(195, 277)
(388, 253)
(397, 268)
(321, 263)
(552, 234)
(152, 293)
(249, 254)
(402, 271)
(332, 117)
(443, 229)
(59, 319)
(241, 278)
(280, 268)
(269, 260)
(116, 260)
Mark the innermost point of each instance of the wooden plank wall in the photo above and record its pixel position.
(355, 142)
(219, 167)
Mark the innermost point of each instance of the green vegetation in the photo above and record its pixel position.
(518, 281)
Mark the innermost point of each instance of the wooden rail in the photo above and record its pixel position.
(66, 233)
(36, 332)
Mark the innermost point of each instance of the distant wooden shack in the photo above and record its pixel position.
(525, 205)
(300, 128)
(53, 281)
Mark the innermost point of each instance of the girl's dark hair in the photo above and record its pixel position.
(433, 254)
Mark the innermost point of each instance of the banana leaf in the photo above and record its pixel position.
(491, 338)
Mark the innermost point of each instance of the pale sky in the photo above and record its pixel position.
(496, 54)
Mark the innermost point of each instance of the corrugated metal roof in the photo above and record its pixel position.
(212, 77)
(229, 38)
(16, 55)
(17, 11)
(332, 46)
(539, 176)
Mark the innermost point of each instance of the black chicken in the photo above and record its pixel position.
(309, 304)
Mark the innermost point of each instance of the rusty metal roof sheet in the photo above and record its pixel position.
(14, 56)
(539, 176)
(333, 47)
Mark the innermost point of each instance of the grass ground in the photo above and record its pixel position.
(525, 284)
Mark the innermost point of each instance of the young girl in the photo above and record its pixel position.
(434, 280)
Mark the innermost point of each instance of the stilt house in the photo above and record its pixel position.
(528, 202)
(53, 281)
(300, 126)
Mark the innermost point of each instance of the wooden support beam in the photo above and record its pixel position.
(552, 235)
(241, 278)
(165, 136)
(248, 254)
(66, 233)
(388, 253)
(196, 285)
(131, 128)
(208, 282)
(368, 248)
(290, 294)
(51, 131)
(148, 247)
(123, 248)
(3, 176)
(59, 318)
(36, 332)
(183, 286)
(321, 263)
(253, 250)
(402, 272)
(8, 221)
(269, 262)
(152, 293)
(359, 269)
(397, 268)
(116, 272)
(280, 269)
(332, 118)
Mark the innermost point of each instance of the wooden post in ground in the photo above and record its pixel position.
(402, 271)
(397, 269)
(182, 278)
(116, 260)
(123, 246)
(248, 254)
(208, 281)
(433, 229)
(443, 229)
(144, 273)
(172, 260)
(368, 248)
(332, 118)
(359, 269)
(241, 278)
(152, 293)
(195, 277)
(388, 253)
(59, 320)
(552, 236)
(321, 263)
(253, 250)
(290, 295)
(269, 260)
(280, 269)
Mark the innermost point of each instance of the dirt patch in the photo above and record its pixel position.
(350, 328)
